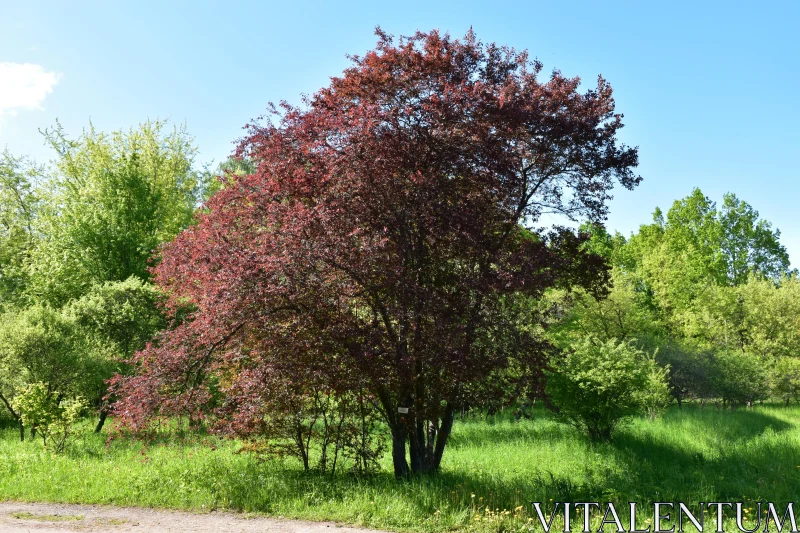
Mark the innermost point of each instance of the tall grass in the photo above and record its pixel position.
(492, 469)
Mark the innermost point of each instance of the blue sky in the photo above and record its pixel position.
(709, 89)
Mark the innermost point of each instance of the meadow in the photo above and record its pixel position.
(493, 468)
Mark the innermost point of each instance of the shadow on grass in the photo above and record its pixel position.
(728, 425)
(709, 455)
(737, 456)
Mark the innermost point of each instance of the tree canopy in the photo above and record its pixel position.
(19, 206)
(113, 199)
(375, 239)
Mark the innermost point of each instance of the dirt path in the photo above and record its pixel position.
(16, 517)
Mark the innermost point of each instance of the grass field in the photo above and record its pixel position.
(691, 455)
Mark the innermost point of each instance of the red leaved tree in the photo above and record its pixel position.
(373, 247)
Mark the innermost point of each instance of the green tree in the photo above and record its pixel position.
(682, 261)
(655, 396)
(760, 316)
(53, 417)
(707, 288)
(724, 245)
(771, 316)
(785, 377)
(749, 244)
(740, 378)
(18, 209)
(622, 314)
(38, 345)
(114, 319)
(113, 200)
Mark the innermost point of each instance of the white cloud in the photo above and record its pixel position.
(24, 86)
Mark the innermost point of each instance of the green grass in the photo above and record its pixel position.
(691, 455)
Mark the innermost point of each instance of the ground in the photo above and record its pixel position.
(17, 517)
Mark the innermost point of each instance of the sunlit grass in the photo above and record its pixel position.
(691, 455)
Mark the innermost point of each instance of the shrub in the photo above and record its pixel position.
(785, 379)
(740, 378)
(53, 420)
(656, 395)
(596, 385)
(323, 428)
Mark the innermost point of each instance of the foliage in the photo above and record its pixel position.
(685, 260)
(725, 244)
(655, 397)
(771, 316)
(74, 350)
(114, 198)
(126, 312)
(597, 384)
(19, 204)
(379, 235)
(761, 316)
(691, 375)
(785, 379)
(740, 378)
(53, 418)
(699, 286)
(39, 344)
(114, 320)
(621, 314)
(749, 244)
(75, 248)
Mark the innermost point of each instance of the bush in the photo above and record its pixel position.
(41, 410)
(325, 429)
(656, 395)
(596, 385)
(39, 344)
(740, 378)
(785, 379)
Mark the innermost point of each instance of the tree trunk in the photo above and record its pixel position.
(426, 455)
(444, 435)
(401, 470)
(426, 442)
(102, 421)
(416, 447)
(17, 416)
(302, 448)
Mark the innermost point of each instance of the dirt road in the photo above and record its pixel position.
(18, 517)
